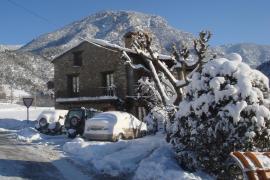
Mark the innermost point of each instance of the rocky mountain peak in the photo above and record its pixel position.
(111, 26)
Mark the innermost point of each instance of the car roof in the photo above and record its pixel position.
(115, 114)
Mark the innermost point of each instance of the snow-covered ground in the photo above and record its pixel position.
(13, 116)
(145, 158)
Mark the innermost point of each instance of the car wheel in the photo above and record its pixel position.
(74, 121)
(120, 137)
(43, 125)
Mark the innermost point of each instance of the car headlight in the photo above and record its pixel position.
(74, 121)
(43, 122)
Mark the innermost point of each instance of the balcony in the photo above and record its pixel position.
(90, 94)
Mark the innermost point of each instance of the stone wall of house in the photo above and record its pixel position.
(96, 61)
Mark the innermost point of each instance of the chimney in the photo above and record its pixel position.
(128, 38)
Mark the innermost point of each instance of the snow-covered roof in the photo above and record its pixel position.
(107, 45)
(76, 99)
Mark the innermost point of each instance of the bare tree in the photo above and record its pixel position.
(153, 65)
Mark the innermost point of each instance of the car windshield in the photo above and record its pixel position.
(76, 113)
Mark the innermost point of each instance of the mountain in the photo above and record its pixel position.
(111, 26)
(265, 68)
(9, 47)
(252, 54)
(24, 71)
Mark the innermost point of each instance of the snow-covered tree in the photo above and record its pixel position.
(149, 97)
(226, 108)
(154, 66)
(147, 94)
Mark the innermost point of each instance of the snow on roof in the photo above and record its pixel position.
(106, 44)
(75, 99)
(115, 46)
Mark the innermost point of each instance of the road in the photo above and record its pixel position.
(20, 160)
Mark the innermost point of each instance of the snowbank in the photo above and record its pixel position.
(161, 164)
(15, 124)
(10, 107)
(13, 116)
(28, 135)
(146, 158)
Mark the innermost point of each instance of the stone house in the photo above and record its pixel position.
(92, 74)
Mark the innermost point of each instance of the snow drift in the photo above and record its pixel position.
(28, 135)
(146, 158)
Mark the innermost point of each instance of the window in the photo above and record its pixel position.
(109, 79)
(73, 85)
(77, 58)
(109, 84)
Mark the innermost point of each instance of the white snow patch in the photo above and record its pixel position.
(161, 164)
(216, 82)
(236, 109)
(28, 135)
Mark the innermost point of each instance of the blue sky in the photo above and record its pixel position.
(231, 21)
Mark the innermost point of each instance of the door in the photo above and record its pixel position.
(73, 85)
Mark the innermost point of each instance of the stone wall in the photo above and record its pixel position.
(95, 62)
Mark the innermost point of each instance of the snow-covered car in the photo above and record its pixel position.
(75, 120)
(51, 121)
(114, 125)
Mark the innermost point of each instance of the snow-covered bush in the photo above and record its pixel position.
(226, 108)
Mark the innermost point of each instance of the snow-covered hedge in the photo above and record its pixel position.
(226, 109)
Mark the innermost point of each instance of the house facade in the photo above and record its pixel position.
(93, 74)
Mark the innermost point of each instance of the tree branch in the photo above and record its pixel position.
(133, 66)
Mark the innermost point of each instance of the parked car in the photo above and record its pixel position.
(51, 121)
(75, 120)
(114, 125)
